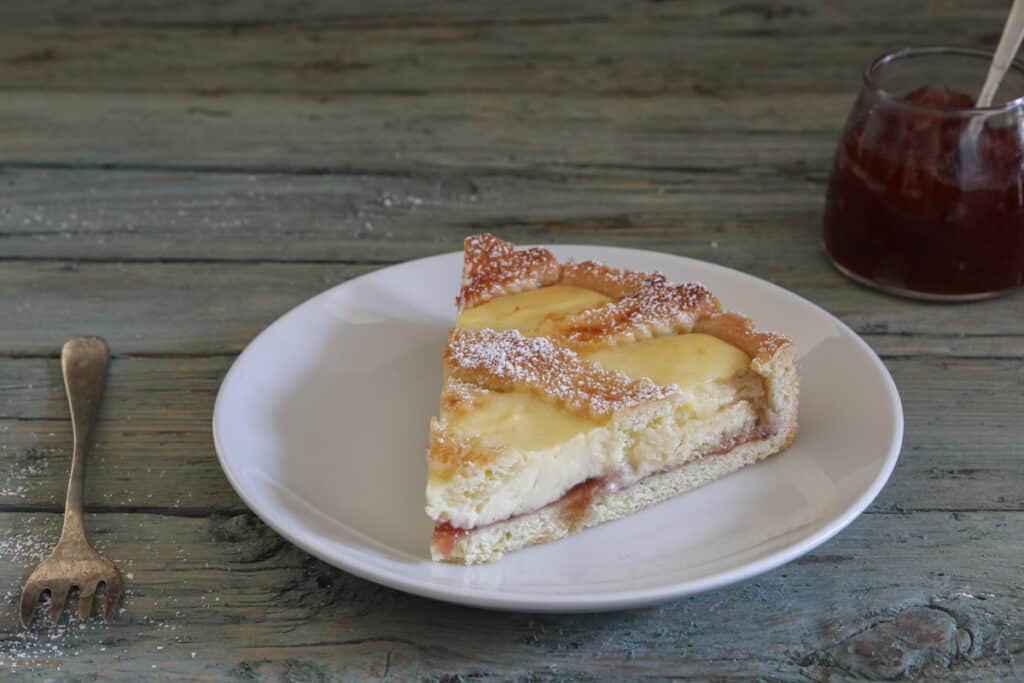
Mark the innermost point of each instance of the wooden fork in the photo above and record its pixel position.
(73, 563)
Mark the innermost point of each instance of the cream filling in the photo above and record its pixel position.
(522, 421)
(537, 452)
(527, 311)
(636, 444)
(686, 360)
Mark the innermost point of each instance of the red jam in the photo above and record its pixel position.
(916, 205)
(445, 538)
(746, 436)
(575, 505)
(579, 499)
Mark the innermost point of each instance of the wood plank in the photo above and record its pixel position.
(608, 47)
(170, 468)
(421, 134)
(166, 308)
(196, 13)
(153, 448)
(762, 223)
(102, 214)
(290, 146)
(369, 14)
(892, 596)
(155, 427)
(216, 308)
(941, 344)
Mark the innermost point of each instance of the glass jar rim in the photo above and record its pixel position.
(911, 52)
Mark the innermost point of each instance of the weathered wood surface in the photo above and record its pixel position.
(191, 14)
(401, 134)
(223, 598)
(212, 308)
(129, 215)
(175, 175)
(155, 426)
(708, 47)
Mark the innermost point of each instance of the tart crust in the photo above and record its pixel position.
(550, 367)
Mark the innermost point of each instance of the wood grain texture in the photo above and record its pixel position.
(155, 424)
(135, 215)
(175, 174)
(416, 135)
(217, 308)
(161, 308)
(702, 47)
(191, 14)
(152, 224)
(252, 607)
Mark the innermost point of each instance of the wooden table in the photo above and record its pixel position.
(175, 174)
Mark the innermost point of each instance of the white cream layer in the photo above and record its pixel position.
(541, 451)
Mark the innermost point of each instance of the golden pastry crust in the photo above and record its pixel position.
(773, 358)
(448, 452)
(508, 361)
(460, 397)
(493, 267)
(613, 282)
(644, 305)
(740, 331)
(656, 308)
(550, 367)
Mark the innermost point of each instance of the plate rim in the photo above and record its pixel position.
(576, 603)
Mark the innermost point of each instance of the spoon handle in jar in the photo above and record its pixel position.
(1009, 43)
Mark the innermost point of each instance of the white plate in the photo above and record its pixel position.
(321, 427)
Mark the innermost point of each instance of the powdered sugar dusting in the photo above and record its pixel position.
(609, 281)
(740, 331)
(771, 343)
(29, 546)
(458, 395)
(507, 361)
(657, 308)
(493, 267)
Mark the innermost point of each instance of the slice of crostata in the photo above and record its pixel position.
(576, 394)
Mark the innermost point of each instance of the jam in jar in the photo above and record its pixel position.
(927, 193)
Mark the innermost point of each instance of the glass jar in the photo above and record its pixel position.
(927, 192)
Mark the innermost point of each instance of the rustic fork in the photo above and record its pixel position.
(73, 562)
